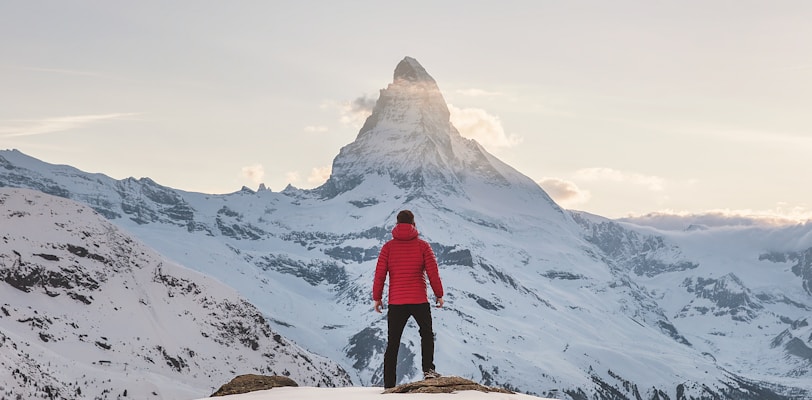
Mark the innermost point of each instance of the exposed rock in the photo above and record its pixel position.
(443, 384)
(252, 383)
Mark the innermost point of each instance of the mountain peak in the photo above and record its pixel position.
(411, 70)
(409, 141)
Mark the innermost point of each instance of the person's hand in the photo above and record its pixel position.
(378, 305)
(440, 302)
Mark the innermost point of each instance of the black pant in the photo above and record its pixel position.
(397, 316)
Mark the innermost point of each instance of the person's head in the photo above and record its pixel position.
(406, 217)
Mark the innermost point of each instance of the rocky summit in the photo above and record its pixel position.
(409, 141)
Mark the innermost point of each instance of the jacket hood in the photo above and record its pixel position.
(404, 232)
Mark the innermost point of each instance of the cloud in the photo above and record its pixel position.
(355, 112)
(472, 123)
(319, 175)
(781, 215)
(255, 173)
(292, 177)
(316, 128)
(653, 183)
(29, 127)
(797, 140)
(477, 92)
(485, 128)
(565, 193)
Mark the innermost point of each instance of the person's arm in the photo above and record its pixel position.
(433, 272)
(381, 269)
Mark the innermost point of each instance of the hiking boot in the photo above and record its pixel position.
(430, 374)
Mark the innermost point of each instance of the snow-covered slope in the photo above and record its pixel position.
(743, 299)
(88, 312)
(539, 299)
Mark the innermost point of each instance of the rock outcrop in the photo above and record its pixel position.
(444, 384)
(251, 383)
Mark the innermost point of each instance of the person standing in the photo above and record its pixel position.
(407, 260)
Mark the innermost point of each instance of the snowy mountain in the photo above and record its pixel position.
(738, 294)
(89, 312)
(545, 301)
(409, 140)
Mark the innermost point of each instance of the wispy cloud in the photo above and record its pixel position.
(29, 127)
(316, 128)
(255, 173)
(653, 183)
(485, 128)
(564, 192)
(319, 175)
(354, 113)
(472, 92)
(781, 215)
(472, 123)
(752, 136)
(292, 177)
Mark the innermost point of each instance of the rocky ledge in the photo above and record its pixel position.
(251, 383)
(444, 384)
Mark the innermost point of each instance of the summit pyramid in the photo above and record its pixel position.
(410, 140)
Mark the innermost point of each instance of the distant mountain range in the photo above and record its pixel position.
(540, 299)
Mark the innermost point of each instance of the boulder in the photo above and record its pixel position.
(251, 383)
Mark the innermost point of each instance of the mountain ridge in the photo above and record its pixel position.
(540, 299)
(81, 301)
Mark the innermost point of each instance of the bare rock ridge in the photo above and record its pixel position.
(444, 384)
(251, 383)
(411, 70)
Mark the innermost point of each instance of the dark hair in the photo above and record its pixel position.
(405, 217)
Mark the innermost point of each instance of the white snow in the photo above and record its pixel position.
(366, 393)
(144, 325)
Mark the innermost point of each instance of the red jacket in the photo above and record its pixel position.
(407, 259)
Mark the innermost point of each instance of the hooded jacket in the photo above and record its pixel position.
(407, 259)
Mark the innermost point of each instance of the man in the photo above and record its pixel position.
(407, 260)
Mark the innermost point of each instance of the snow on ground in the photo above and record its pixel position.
(366, 393)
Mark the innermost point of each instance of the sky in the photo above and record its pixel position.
(622, 108)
